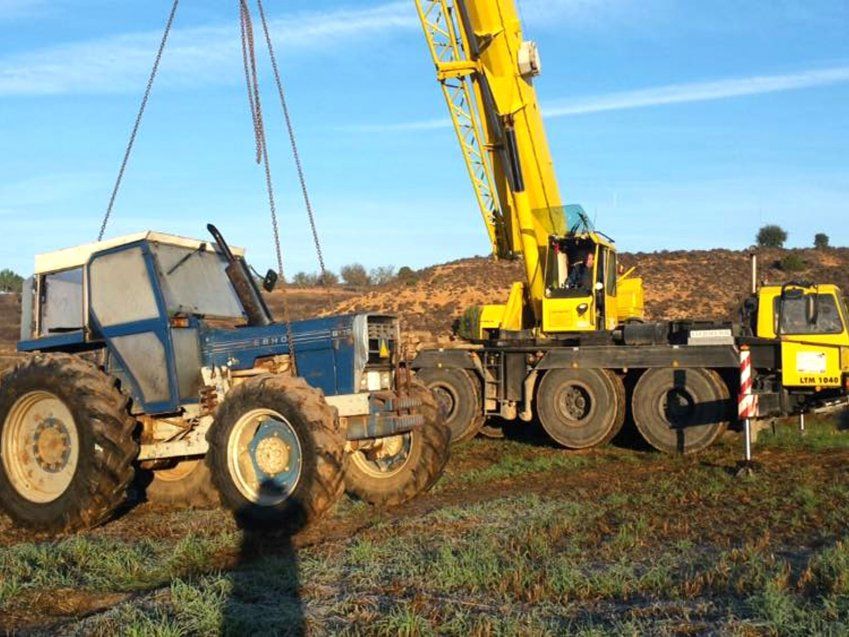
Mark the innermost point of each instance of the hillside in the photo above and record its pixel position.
(696, 284)
(706, 284)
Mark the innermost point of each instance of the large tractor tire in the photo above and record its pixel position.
(393, 470)
(458, 395)
(680, 411)
(277, 453)
(581, 408)
(66, 443)
(186, 485)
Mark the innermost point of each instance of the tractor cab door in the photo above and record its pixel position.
(127, 311)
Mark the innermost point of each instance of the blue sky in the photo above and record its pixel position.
(676, 124)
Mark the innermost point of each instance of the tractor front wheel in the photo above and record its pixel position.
(66, 443)
(393, 470)
(277, 453)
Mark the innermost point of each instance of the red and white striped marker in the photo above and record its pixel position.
(747, 403)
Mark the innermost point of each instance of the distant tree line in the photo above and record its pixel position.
(774, 236)
(10, 281)
(356, 275)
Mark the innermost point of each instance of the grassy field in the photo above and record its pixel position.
(518, 538)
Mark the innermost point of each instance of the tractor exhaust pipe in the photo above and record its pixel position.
(243, 283)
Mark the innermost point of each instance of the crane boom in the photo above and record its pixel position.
(486, 70)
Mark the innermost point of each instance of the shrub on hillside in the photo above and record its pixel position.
(820, 240)
(792, 263)
(355, 275)
(771, 236)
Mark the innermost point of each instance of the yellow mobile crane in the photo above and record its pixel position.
(572, 336)
(486, 70)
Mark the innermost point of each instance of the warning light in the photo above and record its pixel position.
(384, 349)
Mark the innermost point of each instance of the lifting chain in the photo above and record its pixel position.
(296, 155)
(255, 105)
(137, 124)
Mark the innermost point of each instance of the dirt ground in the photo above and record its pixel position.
(519, 537)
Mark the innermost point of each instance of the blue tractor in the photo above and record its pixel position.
(156, 356)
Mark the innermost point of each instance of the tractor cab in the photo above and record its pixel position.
(160, 311)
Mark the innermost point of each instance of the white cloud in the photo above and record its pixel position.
(194, 56)
(700, 92)
(657, 96)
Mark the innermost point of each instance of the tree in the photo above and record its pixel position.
(821, 240)
(327, 279)
(304, 280)
(355, 274)
(772, 236)
(10, 281)
(382, 275)
(407, 275)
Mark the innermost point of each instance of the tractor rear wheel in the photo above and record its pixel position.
(581, 408)
(393, 470)
(186, 485)
(459, 398)
(66, 443)
(680, 411)
(277, 453)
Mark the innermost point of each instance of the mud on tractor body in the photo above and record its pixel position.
(156, 356)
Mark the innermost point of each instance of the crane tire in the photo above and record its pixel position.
(413, 469)
(680, 411)
(580, 408)
(458, 395)
(277, 453)
(66, 443)
(621, 404)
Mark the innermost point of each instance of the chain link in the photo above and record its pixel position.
(137, 124)
(255, 105)
(293, 141)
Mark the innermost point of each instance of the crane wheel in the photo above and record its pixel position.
(186, 485)
(458, 395)
(581, 408)
(277, 453)
(66, 443)
(393, 470)
(680, 411)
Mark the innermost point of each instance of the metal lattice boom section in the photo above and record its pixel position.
(456, 72)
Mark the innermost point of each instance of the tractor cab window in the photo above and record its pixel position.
(61, 302)
(807, 314)
(194, 282)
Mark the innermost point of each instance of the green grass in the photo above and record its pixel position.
(655, 545)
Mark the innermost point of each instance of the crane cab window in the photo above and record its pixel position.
(807, 314)
(567, 274)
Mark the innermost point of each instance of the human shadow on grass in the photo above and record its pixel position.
(265, 596)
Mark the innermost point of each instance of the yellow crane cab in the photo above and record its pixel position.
(810, 320)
